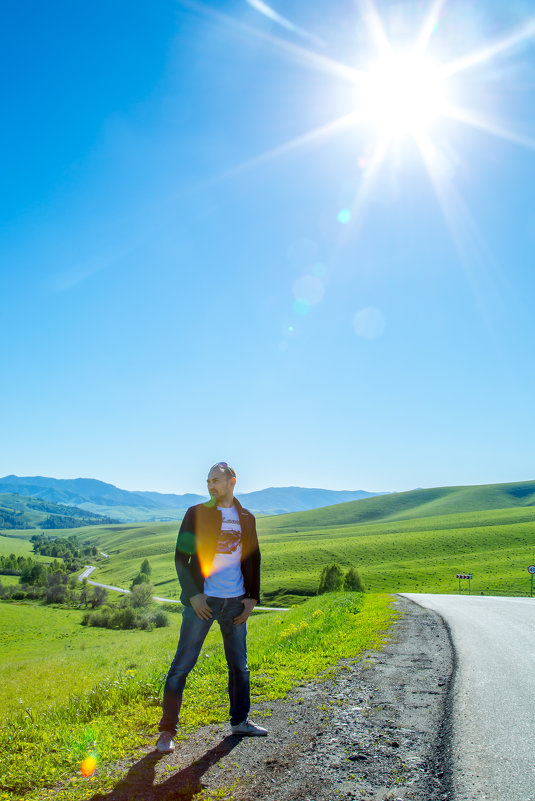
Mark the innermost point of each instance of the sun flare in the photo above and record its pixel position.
(402, 94)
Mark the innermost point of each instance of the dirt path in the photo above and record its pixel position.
(377, 730)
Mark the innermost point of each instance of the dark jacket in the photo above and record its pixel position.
(196, 546)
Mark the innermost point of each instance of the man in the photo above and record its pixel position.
(217, 561)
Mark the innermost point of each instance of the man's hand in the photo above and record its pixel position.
(248, 606)
(200, 606)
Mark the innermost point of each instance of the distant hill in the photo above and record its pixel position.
(414, 504)
(101, 498)
(23, 512)
(283, 500)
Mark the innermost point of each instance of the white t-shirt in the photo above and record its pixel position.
(226, 579)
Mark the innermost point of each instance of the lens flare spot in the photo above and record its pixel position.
(87, 768)
(344, 216)
(301, 306)
(368, 323)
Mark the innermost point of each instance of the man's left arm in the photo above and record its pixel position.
(254, 593)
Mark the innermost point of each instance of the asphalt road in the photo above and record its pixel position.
(493, 742)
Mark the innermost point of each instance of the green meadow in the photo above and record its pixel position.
(406, 542)
(80, 692)
(55, 656)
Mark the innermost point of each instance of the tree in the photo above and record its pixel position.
(141, 578)
(330, 579)
(97, 596)
(84, 593)
(353, 581)
(141, 595)
(145, 567)
(35, 573)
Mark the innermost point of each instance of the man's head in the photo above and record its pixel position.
(221, 481)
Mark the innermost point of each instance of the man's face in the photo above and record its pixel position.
(220, 484)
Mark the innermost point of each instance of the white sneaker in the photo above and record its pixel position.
(165, 743)
(249, 729)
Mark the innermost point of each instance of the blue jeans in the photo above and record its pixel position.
(192, 635)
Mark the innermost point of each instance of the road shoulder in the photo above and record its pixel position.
(374, 730)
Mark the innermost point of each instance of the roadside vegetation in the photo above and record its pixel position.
(114, 716)
(53, 580)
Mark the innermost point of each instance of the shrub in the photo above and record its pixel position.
(101, 618)
(145, 623)
(145, 567)
(353, 581)
(123, 618)
(55, 594)
(160, 619)
(141, 595)
(330, 579)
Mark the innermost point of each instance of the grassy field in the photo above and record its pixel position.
(44, 738)
(66, 657)
(16, 542)
(409, 541)
(69, 690)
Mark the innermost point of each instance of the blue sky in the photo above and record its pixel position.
(206, 253)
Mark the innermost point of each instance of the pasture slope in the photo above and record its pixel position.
(406, 542)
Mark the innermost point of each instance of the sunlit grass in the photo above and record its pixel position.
(56, 656)
(115, 717)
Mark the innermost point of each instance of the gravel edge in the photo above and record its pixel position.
(377, 729)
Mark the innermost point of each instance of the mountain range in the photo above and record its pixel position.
(98, 497)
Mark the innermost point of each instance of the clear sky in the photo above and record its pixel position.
(295, 236)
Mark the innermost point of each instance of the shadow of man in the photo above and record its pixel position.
(139, 784)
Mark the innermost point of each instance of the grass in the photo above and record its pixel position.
(114, 716)
(392, 553)
(18, 543)
(51, 645)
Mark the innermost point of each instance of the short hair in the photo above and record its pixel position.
(224, 467)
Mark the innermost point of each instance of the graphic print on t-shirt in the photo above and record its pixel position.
(230, 535)
(226, 579)
(229, 539)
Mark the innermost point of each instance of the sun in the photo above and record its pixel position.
(402, 94)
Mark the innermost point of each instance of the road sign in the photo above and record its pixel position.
(464, 576)
(531, 571)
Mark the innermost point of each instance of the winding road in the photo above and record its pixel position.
(493, 739)
(88, 570)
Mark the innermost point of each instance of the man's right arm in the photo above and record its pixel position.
(186, 547)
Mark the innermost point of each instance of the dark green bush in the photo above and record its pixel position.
(353, 581)
(160, 619)
(330, 579)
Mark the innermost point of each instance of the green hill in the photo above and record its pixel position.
(413, 541)
(23, 512)
(409, 505)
